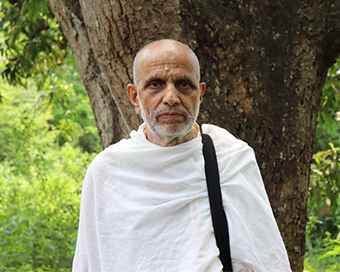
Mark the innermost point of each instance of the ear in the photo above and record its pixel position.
(202, 88)
(132, 93)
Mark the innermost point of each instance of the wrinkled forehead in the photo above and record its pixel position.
(169, 56)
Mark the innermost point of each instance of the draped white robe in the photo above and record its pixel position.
(145, 208)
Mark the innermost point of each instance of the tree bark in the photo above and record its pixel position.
(111, 124)
(264, 63)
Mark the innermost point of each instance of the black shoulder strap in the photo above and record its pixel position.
(218, 215)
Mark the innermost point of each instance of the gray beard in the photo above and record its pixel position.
(160, 131)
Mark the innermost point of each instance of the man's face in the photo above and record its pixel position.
(169, 93)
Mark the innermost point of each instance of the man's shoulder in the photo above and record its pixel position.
(222, 137)
(111, 152)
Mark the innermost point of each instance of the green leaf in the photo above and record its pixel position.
(334, 252)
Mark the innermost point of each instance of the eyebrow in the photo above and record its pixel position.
(179, 79)
(154, 78)
(189, 80)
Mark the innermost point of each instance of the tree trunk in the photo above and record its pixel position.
(111, 124)
(264, 63)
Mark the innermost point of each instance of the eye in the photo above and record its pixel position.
(155, 84)
(184, 84)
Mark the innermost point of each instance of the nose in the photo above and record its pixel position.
(171, 95)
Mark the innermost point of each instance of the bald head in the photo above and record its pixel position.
(163, 47)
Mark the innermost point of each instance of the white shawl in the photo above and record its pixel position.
(146, 208)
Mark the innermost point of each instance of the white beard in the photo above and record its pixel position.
(161, 131)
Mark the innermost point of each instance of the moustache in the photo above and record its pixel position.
(175, 110)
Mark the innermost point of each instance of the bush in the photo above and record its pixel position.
(40, 185)
(322, 254)
(322, 236)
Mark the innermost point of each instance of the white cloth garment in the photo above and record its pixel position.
(145, 208)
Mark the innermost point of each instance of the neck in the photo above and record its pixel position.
(171, 140)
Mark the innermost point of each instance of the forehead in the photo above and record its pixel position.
(168, 60)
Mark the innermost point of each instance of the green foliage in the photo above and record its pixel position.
(32, 47)
(325, 181)
(40, 185)
(45, 141)
(65, 95)
(325, 170)
(328, 129)
(322, 236)
(334, 244)
(33, 42)
(71, 117)
(325, 255)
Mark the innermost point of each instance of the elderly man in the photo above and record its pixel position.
(144, 202)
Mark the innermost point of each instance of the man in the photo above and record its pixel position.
(144, 202)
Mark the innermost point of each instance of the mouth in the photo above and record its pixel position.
(171, 115)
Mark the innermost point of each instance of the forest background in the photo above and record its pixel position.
(48, 137)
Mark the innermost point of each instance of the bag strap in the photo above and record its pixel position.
(219, 218)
